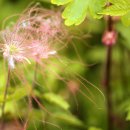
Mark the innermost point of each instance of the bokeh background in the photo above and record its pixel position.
(67, 87)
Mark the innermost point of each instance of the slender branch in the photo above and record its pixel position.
(4, 99)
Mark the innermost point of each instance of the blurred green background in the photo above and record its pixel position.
(70, 102)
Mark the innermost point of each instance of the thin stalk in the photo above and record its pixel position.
(108, 88)
(107, 79)
(5, 96)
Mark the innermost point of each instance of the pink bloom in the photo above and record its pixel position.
(109, 38)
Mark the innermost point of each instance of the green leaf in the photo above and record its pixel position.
(128, 116)
(94, 128)
(9, 108)
(60, 2)
(125, 33)
(126, 19)
(128, 112)
(18, 94)
(118, 8)
(118, 1)
(96, 6)
(76, 10)
(56, 99)
(69, 118)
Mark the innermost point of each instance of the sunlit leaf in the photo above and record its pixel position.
(60, 2)
(96, 6)
(118, 8)
(76, 10)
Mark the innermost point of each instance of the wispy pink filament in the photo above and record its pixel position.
(32, 37)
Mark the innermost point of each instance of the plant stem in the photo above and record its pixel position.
(107, 79)
(5, 96)
(108, 88)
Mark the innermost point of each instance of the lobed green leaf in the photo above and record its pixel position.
(76, 10)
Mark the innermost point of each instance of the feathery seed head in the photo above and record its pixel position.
(14, 48)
